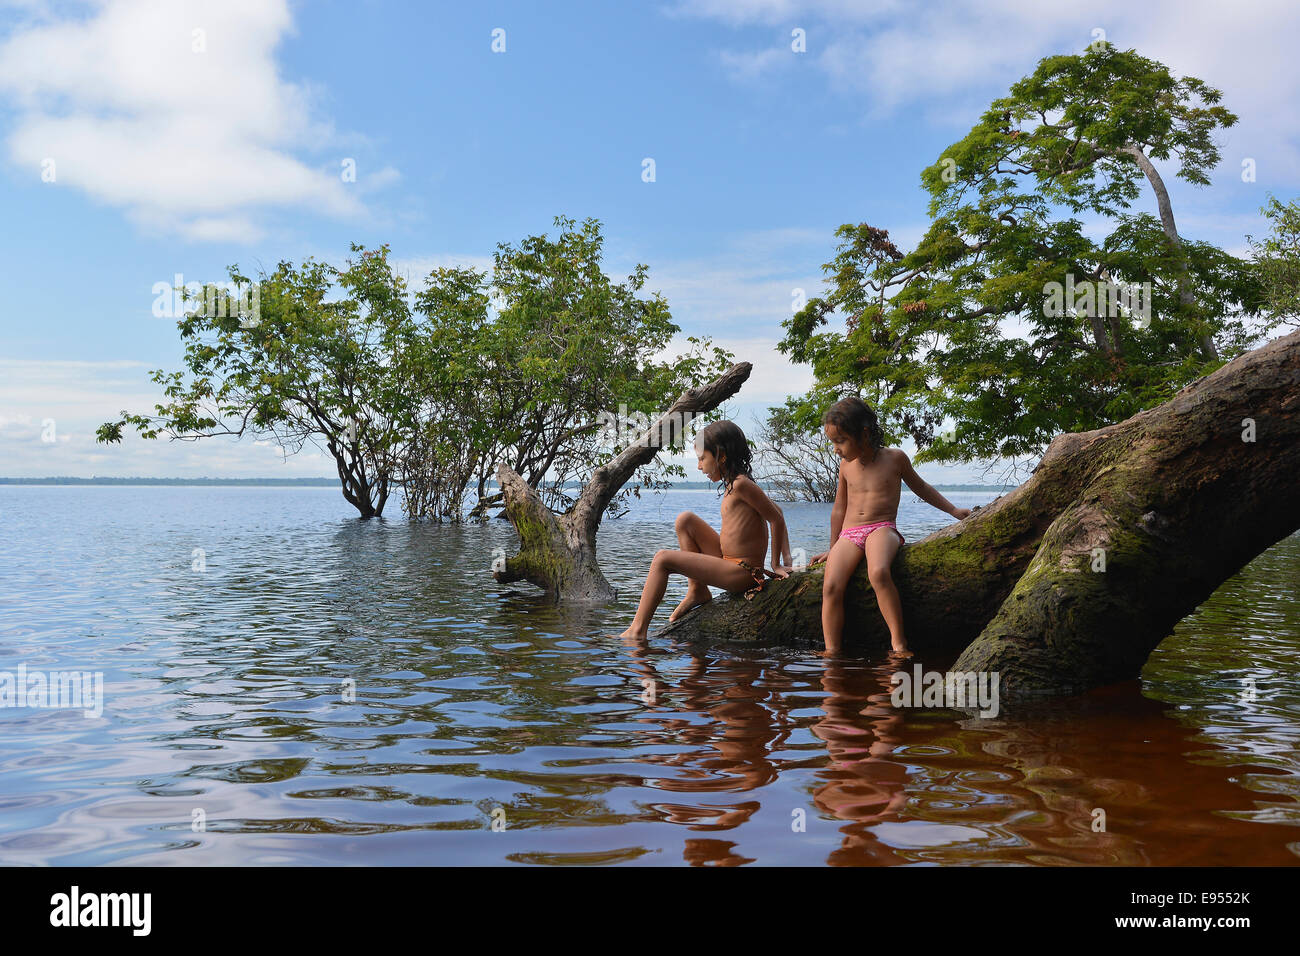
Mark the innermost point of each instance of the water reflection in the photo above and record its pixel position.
(332, 691)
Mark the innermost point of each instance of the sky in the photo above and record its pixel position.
(143, 140)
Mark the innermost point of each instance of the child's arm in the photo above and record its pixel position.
(838, 510)
(925, 491)
(754, 496)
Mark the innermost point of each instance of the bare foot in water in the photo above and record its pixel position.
(693, 599)
(899, 652)
(633, 635)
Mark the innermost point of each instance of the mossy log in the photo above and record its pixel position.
(1071, 580)
(558, 552)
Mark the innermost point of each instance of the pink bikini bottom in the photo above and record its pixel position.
(859, 534)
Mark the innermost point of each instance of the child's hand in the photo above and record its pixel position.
(960, 513)
(818, 558)
(782, 571)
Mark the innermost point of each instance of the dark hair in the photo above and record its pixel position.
(854, 417)
(726, 437)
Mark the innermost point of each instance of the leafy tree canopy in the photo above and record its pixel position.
(1009, 318)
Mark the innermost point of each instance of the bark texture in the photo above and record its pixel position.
(1071, 580)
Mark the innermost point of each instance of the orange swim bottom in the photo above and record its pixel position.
(757, 573)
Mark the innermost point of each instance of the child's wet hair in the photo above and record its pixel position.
(854, 417)
(726, 437)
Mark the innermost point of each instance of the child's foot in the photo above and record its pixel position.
(634, 634)
(692, 600)
(898, 651)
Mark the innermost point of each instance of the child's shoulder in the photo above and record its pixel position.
(895, 458)
(746, 489)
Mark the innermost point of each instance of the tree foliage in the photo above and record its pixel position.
(798, 465)
(1277, 256)
(301, 369)
(532, 360)
(969, 326)
(430, 391)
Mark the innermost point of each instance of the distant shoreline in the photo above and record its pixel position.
(334, 483)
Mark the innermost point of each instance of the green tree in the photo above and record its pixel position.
(541, 354)
(430, 392)
(973, 326)
(290, 365)
(1277, 257)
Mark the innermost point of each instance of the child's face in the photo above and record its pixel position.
(708, 464)
(846, 446)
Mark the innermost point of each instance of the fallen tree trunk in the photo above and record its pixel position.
(1070, 581)
(558, 552)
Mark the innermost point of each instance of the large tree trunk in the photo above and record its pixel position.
(558, 552)
(1070, 581)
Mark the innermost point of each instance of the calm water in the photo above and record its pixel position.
(226, 739)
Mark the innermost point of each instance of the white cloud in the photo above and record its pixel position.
(786, 12)
(748, 66)
(773, 378)
(953, 59)
(130, 110)
(747, 285)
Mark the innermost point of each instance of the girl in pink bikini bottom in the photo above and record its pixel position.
(859, 534)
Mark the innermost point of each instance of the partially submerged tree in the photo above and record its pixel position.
(1070, 581)
(544, 362)
(431, 393)
(1007, 319)
(287, 364)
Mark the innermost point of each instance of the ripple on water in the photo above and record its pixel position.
(330, 690)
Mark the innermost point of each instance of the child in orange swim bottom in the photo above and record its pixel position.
(730, 559)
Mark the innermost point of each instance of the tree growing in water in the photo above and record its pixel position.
(298, 369)
(1277, 256)
(544, 363)
(431, 392)
(797, 465)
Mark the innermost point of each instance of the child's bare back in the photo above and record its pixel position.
(744, 530)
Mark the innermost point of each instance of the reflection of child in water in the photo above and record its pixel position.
(732, 559)
(863, 784)
(866, 501)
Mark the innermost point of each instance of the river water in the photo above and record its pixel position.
(285, 684)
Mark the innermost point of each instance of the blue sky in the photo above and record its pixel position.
(169, 159)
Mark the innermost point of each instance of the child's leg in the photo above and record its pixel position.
(840, 565)
(694, 534)
(702, 567)
(882, 544)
